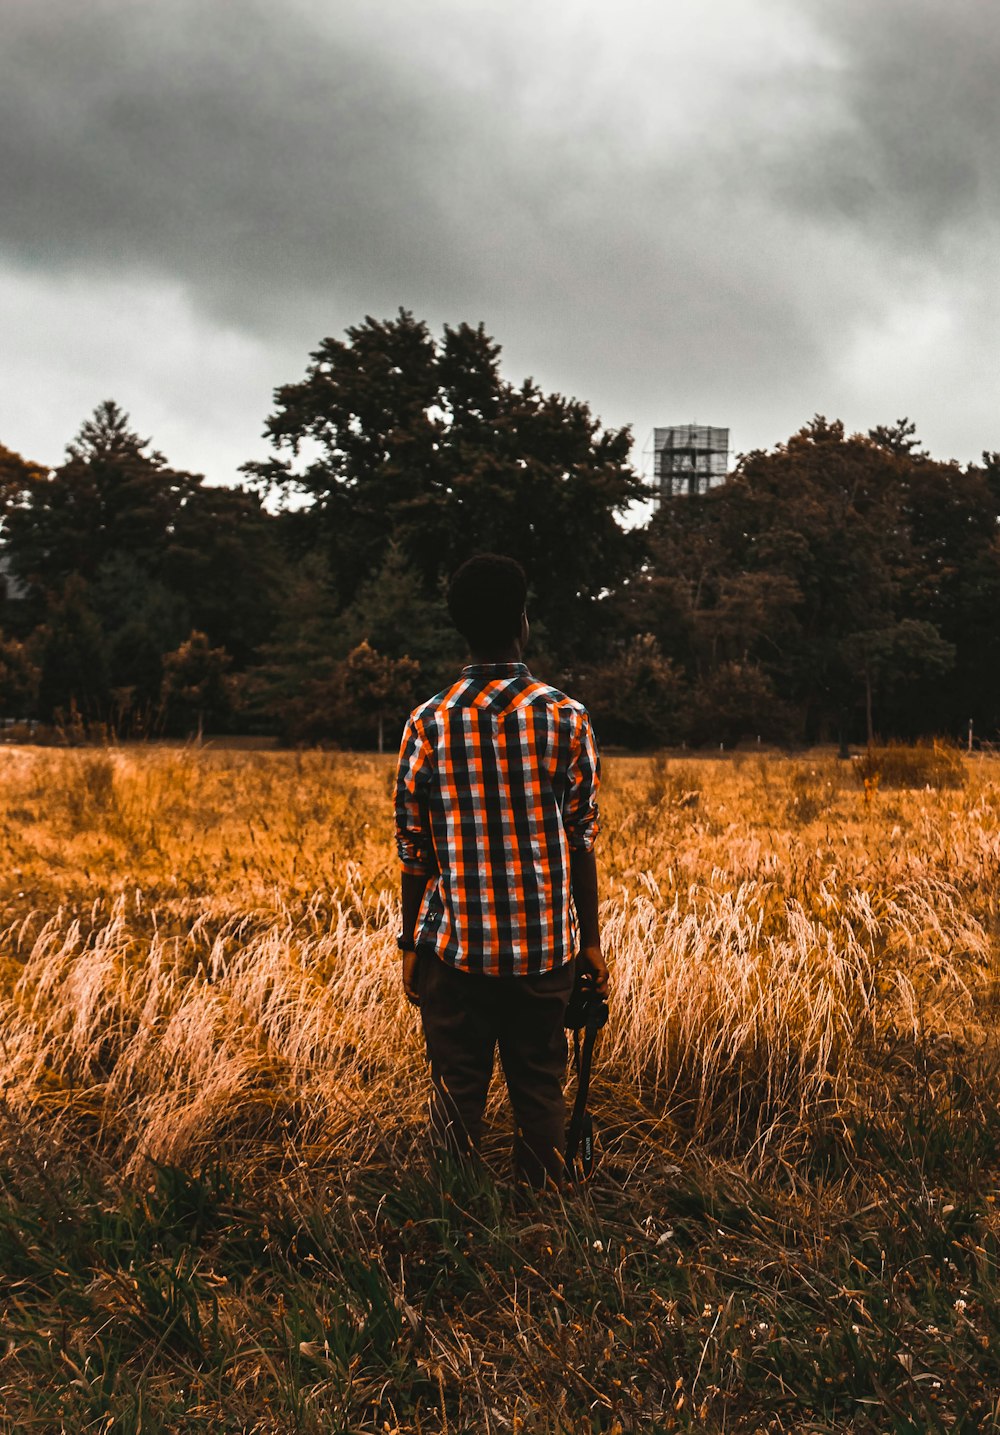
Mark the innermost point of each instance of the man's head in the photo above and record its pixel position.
(486, 601)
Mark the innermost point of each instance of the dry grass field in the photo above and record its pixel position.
(218, 1212)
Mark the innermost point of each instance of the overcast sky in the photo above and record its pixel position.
(738, 213)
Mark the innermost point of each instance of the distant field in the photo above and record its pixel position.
(218, 1213)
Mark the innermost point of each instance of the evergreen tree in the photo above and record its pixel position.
(373, 688)
(222, 556)
(73, 658)
(112, 496)
(19, 679)
(142, 619)
(195, 685)
(391, 613)
(287, 691)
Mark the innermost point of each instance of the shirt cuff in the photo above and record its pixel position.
(583, 839)
(415, 869)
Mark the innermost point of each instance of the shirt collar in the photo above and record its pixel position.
(494, 670)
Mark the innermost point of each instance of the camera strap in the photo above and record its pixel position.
(581, 1127)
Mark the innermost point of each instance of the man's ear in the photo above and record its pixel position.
(525, 630)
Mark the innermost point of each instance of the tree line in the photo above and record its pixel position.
(840, 586)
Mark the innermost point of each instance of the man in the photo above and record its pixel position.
(496, 816)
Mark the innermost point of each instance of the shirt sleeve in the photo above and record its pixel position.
(413, 837)
(583, 779)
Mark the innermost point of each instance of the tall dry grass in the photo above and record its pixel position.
(197, 952)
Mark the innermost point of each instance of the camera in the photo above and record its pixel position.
(587, 1008)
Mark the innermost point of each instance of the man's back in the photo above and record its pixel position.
(496, 786)
(496, 814)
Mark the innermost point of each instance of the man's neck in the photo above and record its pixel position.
(497, 658)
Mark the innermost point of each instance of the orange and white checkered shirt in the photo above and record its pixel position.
(497, 782)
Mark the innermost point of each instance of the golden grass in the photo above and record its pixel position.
(197, 951)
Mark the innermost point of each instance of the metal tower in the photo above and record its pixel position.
(689, 459)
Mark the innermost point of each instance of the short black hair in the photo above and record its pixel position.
(486, 599)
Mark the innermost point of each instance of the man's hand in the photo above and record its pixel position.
(410, 978)
(591, 960)
(413, 886)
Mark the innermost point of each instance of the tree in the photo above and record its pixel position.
(287, 690)
(19, 678)
(659, 600)
(736, 701)
(636, 697)
(116, 502)
(423, 443)
(74, 666)
(111, 496)
(222, 556)
(17, 476)
(899, 438)
(797, 550)
(753, 616)
(373, 687)
(900, 653)
(952, 581)
(195, 683)
(141, 619)
(391, 613)
(124, 556)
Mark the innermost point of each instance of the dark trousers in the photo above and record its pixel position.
(465, 1017)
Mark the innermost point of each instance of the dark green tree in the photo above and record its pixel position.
(112, 496)
(798, 550)
(893, 657)
(116, 501)
(73, 657)
(17, 477)
(19, 679)
(223, 557)
(952, 582)
(287, 690)
(373, 689)
(735, 702)
(391, 613)
(636, 697)
(142, 619)
(422, 442)
(196, 689)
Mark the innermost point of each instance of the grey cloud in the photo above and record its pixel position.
(222, 144)
(275, 161)
(912, 152)
(661, 216)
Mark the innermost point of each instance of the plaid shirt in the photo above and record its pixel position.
(497, 781)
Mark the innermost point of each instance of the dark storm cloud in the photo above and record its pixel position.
(272, 160)
(226, 144)
(913, 150)
(661, 208)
